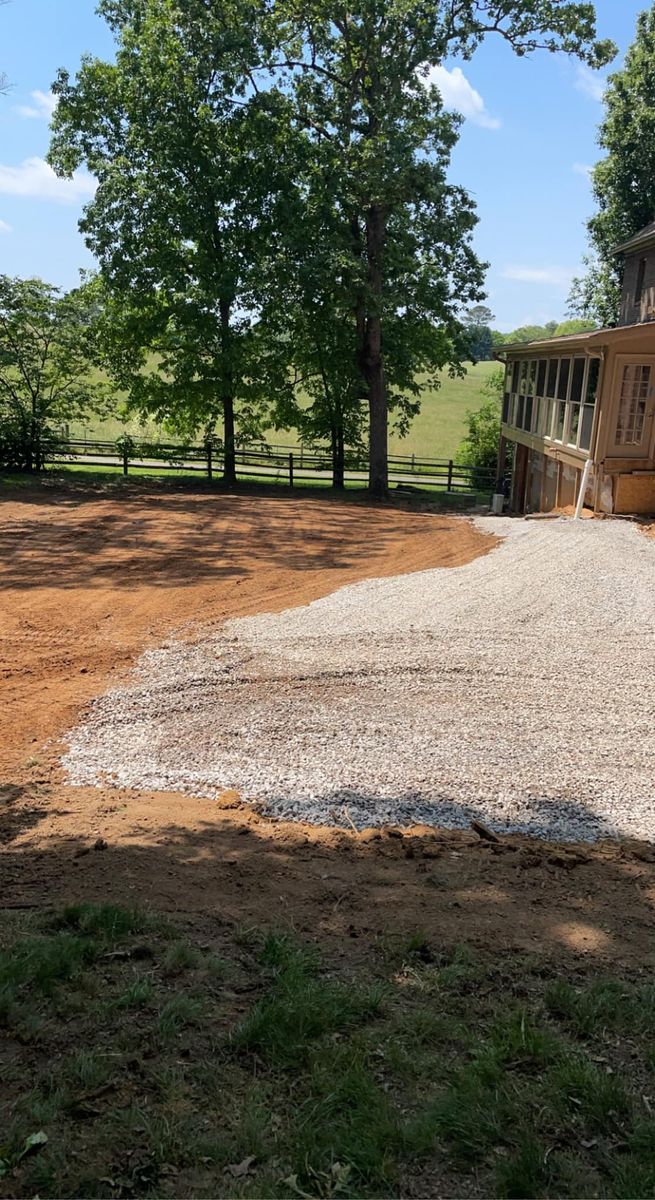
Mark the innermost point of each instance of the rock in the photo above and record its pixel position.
(229, 799)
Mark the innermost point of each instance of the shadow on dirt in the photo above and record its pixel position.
(343, 887)
(93, 538)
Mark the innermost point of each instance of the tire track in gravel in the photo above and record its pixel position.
(518, 688)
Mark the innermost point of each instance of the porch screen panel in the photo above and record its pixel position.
(575, 400)
(563, 381)
(587, 418)
(552, 378)
(635, 390)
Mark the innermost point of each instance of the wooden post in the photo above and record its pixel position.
(125, 458)
(413, 458)
(291, 470)
(450, 475)
(501, 464)
(209, 460)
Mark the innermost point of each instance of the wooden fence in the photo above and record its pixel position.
(276, 464)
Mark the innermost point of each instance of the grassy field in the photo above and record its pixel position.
(436, 432)
(146, 1058)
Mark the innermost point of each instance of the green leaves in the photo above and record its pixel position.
(623, 182)
(48, 356)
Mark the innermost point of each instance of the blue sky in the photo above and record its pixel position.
(527, 142)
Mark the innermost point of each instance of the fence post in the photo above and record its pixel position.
(450, 475)
(291, 470)
(209, 460)
(125, 457)
(413, 463)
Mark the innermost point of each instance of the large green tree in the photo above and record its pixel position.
(193, 135)
(48, 353)
(356, 71)
(320, 294)
(194, 189)
(623, 182)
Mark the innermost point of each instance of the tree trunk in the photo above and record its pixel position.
(373, 361)
(227, 398)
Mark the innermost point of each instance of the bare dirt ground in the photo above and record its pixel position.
(89, 580)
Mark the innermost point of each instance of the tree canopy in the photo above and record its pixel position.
(623, 182)
(194, 190)
(47, 365)
(222, 134)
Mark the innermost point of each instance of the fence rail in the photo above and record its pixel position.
(273, 463)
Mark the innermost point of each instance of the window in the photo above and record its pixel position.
(635, 390)
(560, 413)
(531, 378)
(541, 376)
(587, 419)
(575, 400)
(552, 377)
(506, 400)
(563, 381)
(641, 275)
(535, 414)
(515, 376)
(577, 380)
(547, 417)
(527, 420)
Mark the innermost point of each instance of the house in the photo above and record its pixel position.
(579, 410)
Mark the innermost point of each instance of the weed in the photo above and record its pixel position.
(525, 1172)
(300, 1006)
(179, 957)
(177, 1013)
(110, 921)
(590, 1093)
(138, 994)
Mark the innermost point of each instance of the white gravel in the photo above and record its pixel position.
(519, 688)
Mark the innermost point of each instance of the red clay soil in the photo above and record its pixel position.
(89, 580)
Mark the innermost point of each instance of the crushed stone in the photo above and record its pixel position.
(518, 689)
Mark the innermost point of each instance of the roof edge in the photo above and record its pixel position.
(592, 337)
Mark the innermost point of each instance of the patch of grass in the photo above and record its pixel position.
(180, 957)
(137, 995)
(177, 1013)
(589, 1093)
(36, 966)
(300, 1006)
(111, 921)
(440, 1072)
(436, 432)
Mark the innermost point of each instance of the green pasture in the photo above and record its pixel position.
(436, 432)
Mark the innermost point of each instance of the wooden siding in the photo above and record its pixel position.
(633, 310)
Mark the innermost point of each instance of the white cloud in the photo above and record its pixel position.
(557, 276)
(582, 169)
(42, 108)
(4, 227)
(458, 95)
(35, 178)
(589, 82)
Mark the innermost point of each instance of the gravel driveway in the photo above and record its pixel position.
(519, 689)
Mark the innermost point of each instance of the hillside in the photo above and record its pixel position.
(436, 432)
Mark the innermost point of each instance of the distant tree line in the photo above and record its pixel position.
(484, 340)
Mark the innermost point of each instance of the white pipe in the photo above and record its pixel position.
(583, 488)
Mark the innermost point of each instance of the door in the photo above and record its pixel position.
(634, 388)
